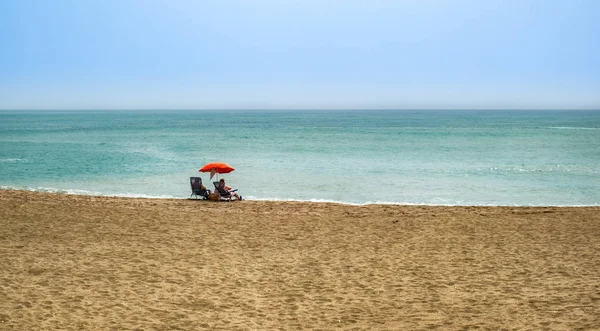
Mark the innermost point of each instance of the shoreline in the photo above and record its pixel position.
(317, 201)
(93, 262)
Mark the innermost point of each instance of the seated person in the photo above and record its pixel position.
(230, 190)
(206, 192)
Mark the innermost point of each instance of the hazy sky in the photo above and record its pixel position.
(299, 54)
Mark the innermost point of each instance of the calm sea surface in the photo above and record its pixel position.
(407, 157)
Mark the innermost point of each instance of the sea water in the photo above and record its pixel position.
(522, 158)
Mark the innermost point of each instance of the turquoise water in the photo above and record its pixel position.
(407, 157)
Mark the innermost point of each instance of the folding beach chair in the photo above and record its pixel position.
(197, 189)
(225, 195)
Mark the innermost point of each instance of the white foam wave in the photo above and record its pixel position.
(406, 203)
(571, 128)
(87, 192)
(557, 168)
(145, 196)
(12, 160)
(50, 190)
(253, 198)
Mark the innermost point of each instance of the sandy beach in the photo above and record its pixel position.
(72, 262)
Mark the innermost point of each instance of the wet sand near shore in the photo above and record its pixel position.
(72, 262)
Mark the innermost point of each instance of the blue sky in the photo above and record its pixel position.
(188, 54)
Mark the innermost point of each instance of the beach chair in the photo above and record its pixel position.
(225, 195)
(197, 189)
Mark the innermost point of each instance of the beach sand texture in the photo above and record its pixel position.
(79, 262)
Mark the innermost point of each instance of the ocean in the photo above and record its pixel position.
(425, 157)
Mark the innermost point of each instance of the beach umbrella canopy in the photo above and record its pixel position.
(217, 168)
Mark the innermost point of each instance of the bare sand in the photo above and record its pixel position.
(79, 262)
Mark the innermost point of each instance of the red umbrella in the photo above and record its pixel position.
(217, 168)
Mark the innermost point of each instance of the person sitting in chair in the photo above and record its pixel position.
(230, 190)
